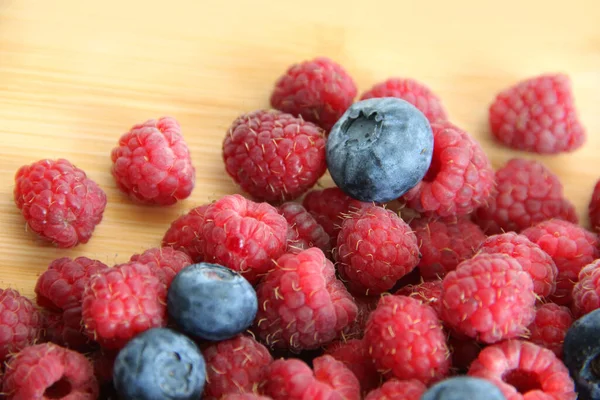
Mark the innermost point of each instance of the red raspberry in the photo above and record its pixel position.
(243, 235)
(429, 292)
(61, 285)
(571, 248)
(165, 262)
(244, 396)
(594, 208)
(337, 376)
(304, 231)
(235, 365)
(354, 354)
(460, 177)
(375, 249)
(59, 202)
(538, 115)
(488, 298)
(274, 156)
(526, 193)
(47, 371)
(319, 90)
(301, 303)
(121, 302)
(394, 389)
(444, 243)
(330, 207)
(406, 340)
(413, 92)
(65, 329)
(185, 233)
(524, 371)
(532, 258)
(550, 327)
(464, 352)
(152, 163)
(20, 323)
(365, 306)
(288, 379)
(586, 292)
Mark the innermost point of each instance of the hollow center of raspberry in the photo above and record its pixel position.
(59, 389)
(434, 169)
(362, 129)
(523, 381)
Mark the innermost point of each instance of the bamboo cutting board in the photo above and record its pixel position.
(76, 74)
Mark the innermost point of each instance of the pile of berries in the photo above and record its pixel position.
(422, 274)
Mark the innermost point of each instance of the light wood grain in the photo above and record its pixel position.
(76, 74)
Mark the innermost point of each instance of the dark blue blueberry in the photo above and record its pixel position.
(463, 388)
(211, 302)
(159, 364)
(581, 355)
(379, 149)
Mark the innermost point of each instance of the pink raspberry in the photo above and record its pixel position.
(550, 327)
(375, 248)
(429, 292)
(586, 292)
(412, 91)
(523, 371)
(444, 243)
(152, 163)
(532, 258)
(571, 248)
(20, 323)
(319, 90)
(304, 231)
(59, 202)
(394, 389)
(488, 298)
(165, 262)
(302, 305)
(274, 156)
(243, 235)
(354, 354)
(185, 233)
(365, 305)
(402, 348)
(460, 178)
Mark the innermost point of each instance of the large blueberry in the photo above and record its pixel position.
(379, 149)
(159, 364)
(463, 388)
(581, 355)
(211, 302)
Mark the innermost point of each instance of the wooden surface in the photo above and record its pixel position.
(76, 74)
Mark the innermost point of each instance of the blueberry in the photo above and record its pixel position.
(581, 355)
(159, 364)
(211, 302)
(463, 388)
(379, 149)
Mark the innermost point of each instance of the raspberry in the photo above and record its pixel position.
(403, 348)
(59, 202)
(274, 156)
(429, 292)
(304, 231)
(47, 371)
(288, 379)
(538, 115)
(594, 208)
(570, 246)
(243, 235)
(460, 177)
(550, 327)
(302, 305)
(375, 249)
(394, 389)
(235, 365)
(444, 243)
(152, 163)
(165, 262)
(64, 328)
(464, 352)
(488, 298)
(244, 396)
(586, 292)
(412, 91)
(523, 371)
(319, 90)
(532, 258)
(61, 285)
(330, 207)
(20, 323)
(337, 376)
(354, 354)
(365, 305)
(185, 233)
(121, 302)
(526, 193)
